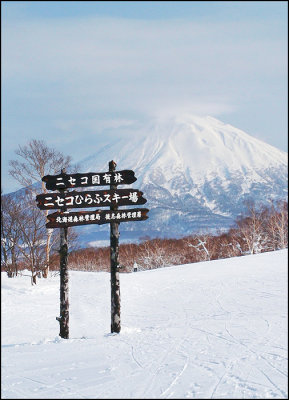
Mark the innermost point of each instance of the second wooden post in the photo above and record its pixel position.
(114, 265)
(64, 281)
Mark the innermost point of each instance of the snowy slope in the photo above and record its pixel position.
(195, 172)
(208, 330)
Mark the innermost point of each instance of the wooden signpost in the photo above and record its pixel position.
(64, 282)
(62, 219)
(114, 264)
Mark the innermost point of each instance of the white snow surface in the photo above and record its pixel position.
(213, 329)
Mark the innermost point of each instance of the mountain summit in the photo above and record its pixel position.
(195, 172)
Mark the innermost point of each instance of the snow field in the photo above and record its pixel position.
(208, 330)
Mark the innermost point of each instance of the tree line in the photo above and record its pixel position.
(262, 229)
(27, 244)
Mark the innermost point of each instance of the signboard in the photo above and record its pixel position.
(112, 198)
(99, 217)
(64, 181)
(101, 198)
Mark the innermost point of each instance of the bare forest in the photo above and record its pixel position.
(24, 246)
(26, 243)
(265, 229)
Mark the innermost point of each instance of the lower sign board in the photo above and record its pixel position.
(65, 219)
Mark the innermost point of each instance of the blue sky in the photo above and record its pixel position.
(145, 9)
(71, 68)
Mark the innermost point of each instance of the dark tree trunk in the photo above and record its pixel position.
(33, 278)
(64, 286)
(45, 271)
(14, 262)
(10, 274)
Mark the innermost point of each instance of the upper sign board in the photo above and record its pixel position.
(65, 181)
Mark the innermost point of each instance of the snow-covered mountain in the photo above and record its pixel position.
(195, 173)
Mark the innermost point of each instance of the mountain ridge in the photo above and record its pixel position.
(196, 172)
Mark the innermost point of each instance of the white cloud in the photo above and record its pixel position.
(65, 80)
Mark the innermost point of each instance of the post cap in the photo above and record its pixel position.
(112, 165)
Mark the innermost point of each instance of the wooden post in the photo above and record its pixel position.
(114, 265)
(64, 288)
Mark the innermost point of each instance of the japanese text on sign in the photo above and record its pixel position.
(63, 181)
(100, 198)
(60, 219)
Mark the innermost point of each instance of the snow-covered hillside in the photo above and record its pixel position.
(204, 146)
(194, 171)
(208, 330)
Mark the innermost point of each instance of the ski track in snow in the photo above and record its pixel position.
(209, 330)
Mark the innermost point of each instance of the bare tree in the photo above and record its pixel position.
(201, 244)
(278, 225)
(35, 161)
(253, 237)
(230, 244)
(10, 235)
(32, 231)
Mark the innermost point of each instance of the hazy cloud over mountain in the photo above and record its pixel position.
(62, 73)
